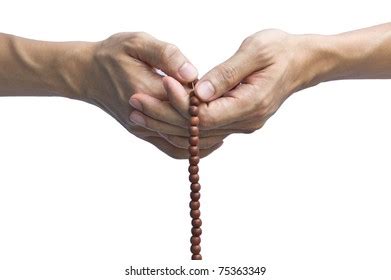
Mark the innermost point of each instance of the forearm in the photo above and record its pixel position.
(359, 54)
(37, 68)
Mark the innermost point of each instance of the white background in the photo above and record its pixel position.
(308, 196)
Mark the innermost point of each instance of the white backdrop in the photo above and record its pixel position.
(308, 196)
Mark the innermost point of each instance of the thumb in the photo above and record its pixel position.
(226, 76)
(164, 56)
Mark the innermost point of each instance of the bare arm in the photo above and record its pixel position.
(359, 54)
(30, 67)
(106, 74)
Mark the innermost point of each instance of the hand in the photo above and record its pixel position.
(248, 88)
(126, 64)
(243, 92)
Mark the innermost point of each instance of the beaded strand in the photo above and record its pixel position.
(195, 186)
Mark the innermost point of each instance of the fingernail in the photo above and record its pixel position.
(135, 104)
(205, 90)
(137, 118)
(188, 72)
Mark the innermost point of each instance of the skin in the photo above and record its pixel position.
(241, 93)
(105, 74)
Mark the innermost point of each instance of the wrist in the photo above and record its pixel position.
(72, 61)
(349, 55)
(317, 59)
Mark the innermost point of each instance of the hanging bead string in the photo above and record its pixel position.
(195, 186)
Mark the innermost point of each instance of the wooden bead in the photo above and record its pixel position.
(195, 196)
(196, 257)
(193, 169)
(195, 240)
(194, 205)
(194, 178)
(194, 121)
(194, 160)
(194, 131)
(194, 150)
(195, 249)
(197, 223)
(195, 214)
(194, 140)
(193, 111)
(196, 187)
(194, 101)
(196, 232)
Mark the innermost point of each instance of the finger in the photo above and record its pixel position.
(145, 79)
(236, 105)
(147, 122)
(183, 142)
(162, 55)
(176, 152)
(177, 95)
(139, 119)
(246, 126)
(226, 76)
(210, 119)
(157, 109)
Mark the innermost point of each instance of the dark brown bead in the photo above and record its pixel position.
(195, 240)
(194, 121)
(194, 150)
(195, 196)
(194, 178)
(195, 249)
(194, 131)
(196, 187)
(194, 205)
(197, 223)
(193, 169)
(195, 214)
(196, 257)
(196, 232)
(194, 101)
(193, 111)
(194, 160)
(194, 140)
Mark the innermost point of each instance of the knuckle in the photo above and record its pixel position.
(264, 104)
(249, 131)
(249, 42)
(207, 121)
(253, 42)
(138, 35)
(258, 126)
(134, 40)
(228, 75)
(255, 127)
(134, 36)
(169, 52)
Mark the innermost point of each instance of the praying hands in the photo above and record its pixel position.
(120, 76)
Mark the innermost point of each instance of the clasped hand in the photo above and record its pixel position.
(239, 95)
